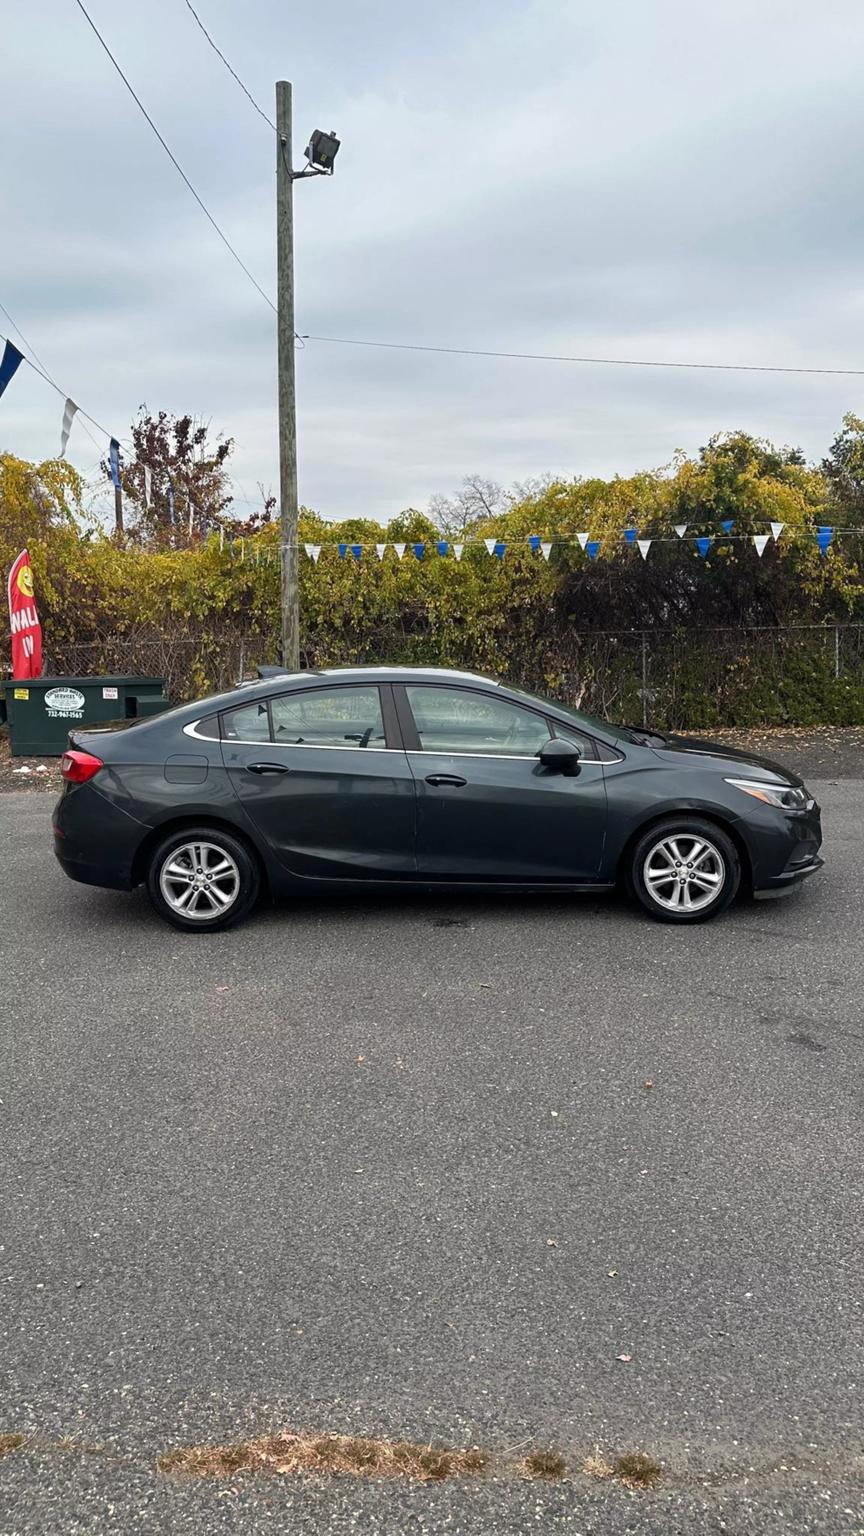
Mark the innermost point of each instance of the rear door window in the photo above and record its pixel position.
(329, 717)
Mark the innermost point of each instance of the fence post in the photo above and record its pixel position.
(836, 651)
(644, 678)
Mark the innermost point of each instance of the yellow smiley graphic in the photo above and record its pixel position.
(25, 581)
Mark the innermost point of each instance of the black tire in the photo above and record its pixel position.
(240, 882)
(688, 881)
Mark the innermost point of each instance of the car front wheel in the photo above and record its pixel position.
(203, 879)
(685, 870)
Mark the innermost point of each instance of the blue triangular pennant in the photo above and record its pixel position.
(630, 535)
(343, 550)
(443, 546)
(419, 551)
(592, 548)
(823, 538)
(499, 549)
(703, 544)
(727, 524)
(534, 541)
(12, 360)
(356, 550)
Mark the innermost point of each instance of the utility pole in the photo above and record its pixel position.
(320, 154)
(118, 509)
(287, 395)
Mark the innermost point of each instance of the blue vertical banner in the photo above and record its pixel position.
(114, 462)
(12, 360)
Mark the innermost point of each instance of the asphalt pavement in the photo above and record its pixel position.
(429, 1168)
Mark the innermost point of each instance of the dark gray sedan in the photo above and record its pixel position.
(417, 776)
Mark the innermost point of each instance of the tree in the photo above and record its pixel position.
(189, 486)
(479, 498)
(844, 471)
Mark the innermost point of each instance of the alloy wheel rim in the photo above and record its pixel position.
(200, 881)
(684, 873)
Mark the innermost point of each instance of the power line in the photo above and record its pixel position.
(232, 72)
(29, 345)
(555, 357)
(174, 161)
(80, 409)
(18, 331)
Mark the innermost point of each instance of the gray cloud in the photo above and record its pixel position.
(633, 180)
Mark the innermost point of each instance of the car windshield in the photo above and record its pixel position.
(588, 722)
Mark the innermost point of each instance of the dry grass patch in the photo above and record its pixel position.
(598, 1467)
(547, 1464)
(346, 1455)
(10, 1443)
(637, 1470)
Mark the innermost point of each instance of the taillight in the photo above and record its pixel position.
(78, 767)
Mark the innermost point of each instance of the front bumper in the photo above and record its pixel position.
(784, 847)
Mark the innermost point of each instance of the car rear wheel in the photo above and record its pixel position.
(685, 870)
(202, 879)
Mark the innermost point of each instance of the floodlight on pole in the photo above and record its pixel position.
(321, 151)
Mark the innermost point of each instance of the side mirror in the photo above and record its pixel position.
(560, 756)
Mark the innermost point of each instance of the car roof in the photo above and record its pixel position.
(259, 688)
(263, 687)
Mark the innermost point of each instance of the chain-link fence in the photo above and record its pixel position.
(789, 675)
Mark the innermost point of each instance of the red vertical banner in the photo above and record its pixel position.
(24, 620)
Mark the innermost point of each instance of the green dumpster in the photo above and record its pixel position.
(43, 710)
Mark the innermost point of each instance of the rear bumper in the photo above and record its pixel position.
(94, 841)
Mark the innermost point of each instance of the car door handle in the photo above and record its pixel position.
(267, 768)
(446, 778)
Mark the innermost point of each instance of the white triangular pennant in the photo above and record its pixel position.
(379, 550)
(583, 539)
(313, 551)
(776, 530)
(643, 546)
(400, 550)
(148, 480)
(457, 550)
(490, 545)
(760, 540)
(68, 415)
(680, 529)
(545, 549)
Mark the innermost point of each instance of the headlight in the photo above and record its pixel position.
(783, 796)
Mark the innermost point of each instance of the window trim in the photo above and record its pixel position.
(411, 736)
(385, 704)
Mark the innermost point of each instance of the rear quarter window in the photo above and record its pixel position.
(249, 722)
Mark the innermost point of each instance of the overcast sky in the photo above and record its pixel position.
(644, 178)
